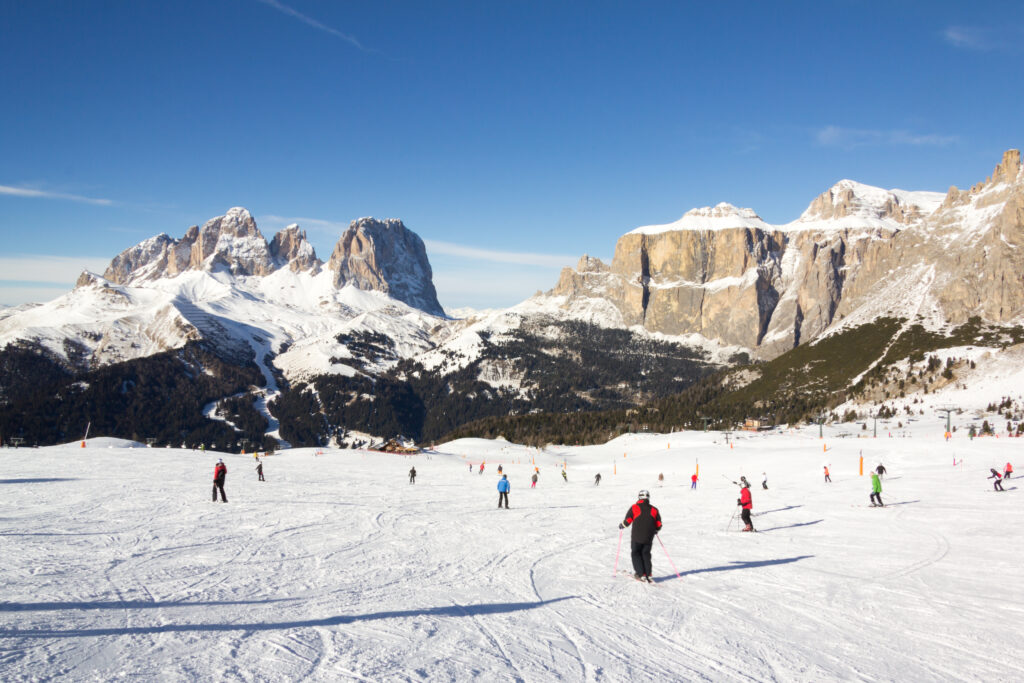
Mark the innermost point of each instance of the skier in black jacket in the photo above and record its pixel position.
(646, 522)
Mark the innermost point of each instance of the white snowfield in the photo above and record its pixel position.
(116, 565)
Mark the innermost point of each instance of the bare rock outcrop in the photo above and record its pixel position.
(385, 256)
(856, 250)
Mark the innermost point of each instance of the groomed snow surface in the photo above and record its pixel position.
(116, 565)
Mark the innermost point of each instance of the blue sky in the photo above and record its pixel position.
(511, 136)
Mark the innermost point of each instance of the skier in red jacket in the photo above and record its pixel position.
(646, 522)
(747, 503)
(220, 473)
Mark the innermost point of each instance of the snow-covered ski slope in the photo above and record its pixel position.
(116, 565)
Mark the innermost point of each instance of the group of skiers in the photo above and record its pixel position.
(1007, 473)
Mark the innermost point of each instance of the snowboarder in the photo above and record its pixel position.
(693, 481)
(764, 481)
(412, 475)
(565, 477)
(533, 479)
(876, 491)
(504, 486)
(827, 478)
(259, 469)
(746, 502)
(220, 473)
(880, 470)
(998, 483)
(597, 479)
(1009, 470)
(646, 522)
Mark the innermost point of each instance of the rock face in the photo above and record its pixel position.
(382, 256)
(290, 248)
(723, 273)
(387, 257)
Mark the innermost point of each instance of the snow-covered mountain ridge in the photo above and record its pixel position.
(856, 253)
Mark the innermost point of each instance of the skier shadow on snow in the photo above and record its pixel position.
(124, 604)
(765, 512)
(737, 564)
(445, 611)
(791, 526)
(40, 480)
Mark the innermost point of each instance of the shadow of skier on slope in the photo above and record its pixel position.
(736, 564)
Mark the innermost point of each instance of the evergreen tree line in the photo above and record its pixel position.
(159, 397)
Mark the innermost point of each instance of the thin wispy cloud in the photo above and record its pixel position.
(518, 258)
(850, 138)
(30, 193)
(309, 21)
(985, 38)
(42, 268)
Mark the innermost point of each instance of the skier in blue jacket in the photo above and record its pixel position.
(503, 488)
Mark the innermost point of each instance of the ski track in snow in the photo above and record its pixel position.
(117, 565)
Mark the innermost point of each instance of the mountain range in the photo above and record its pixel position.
(360, 344)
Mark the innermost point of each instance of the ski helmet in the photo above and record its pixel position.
(644, 495)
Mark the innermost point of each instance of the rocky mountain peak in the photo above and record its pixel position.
(385, 256)
(1009, 169)
(722, 216)
(848, 198)
(290, 247)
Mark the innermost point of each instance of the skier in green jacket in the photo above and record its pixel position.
(876, 491)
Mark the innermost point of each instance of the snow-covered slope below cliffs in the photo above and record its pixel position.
(100, 323)
(244, 315)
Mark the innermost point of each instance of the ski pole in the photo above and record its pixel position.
(615, 570)
(669, 558)
(729, 525)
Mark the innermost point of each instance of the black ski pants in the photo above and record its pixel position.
(503, 496)
(641, 554)
(217, 486)
(876, 498)
(998, 485)
(745, 516)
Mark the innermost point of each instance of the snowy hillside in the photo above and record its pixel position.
(117, 565)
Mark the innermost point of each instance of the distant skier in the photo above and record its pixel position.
(764, 481)
(471, 468)
(661, 478)
(220, 473)
(827, 478)
(533, 479)
(1009, 470)
(481, 468)
(880, 470)
(998, 483)
(747, 503)
(565, 477)
(693, 481)
(504, 486)
(259, 469)
(412, 475)
(499, 469)
(646, 522)
(876, 491)
(597, 479)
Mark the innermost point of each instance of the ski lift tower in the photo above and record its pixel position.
(705, 420)
(948, 409)
(820, 419)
